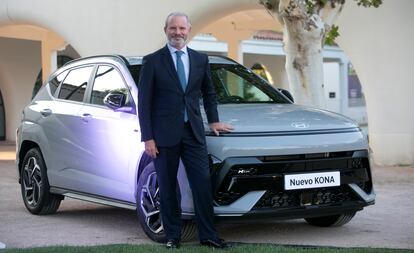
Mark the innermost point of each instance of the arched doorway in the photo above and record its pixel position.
(24, 51)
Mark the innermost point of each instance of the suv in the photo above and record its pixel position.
(80, 138)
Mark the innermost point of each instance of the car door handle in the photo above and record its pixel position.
(86, 117)
(46, 112)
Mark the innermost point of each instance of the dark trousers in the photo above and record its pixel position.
(194, 157)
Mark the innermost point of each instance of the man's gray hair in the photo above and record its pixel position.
(177, 14)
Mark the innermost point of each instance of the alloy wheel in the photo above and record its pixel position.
(150, 204)
(32, 182)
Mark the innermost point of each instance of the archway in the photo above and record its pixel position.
(253, 36)
(24, 51)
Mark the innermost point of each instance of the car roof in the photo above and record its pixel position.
(135, 60)
(128, 61)
(214, 59)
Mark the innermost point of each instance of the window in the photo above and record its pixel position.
(236, 84)
(54, 83)
(74, 86)
(107, 80)
(355, 93)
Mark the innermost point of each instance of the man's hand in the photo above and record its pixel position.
(151, 148)
(218, 127)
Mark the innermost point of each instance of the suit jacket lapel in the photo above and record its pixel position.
(191, 70)
(168, 62)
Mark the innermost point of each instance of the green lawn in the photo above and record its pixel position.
(191, 248)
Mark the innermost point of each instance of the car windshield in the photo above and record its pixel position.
(235, 84)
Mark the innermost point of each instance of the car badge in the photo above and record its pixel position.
(301, 125)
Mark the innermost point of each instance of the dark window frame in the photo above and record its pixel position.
(93, 66)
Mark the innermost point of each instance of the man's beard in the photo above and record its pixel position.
(177, 43)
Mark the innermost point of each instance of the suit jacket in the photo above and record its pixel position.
(161, 99)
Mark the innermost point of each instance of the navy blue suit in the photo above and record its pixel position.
(162, 102)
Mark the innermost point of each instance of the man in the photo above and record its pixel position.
(171, 84)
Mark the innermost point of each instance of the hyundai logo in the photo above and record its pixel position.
(301, 125)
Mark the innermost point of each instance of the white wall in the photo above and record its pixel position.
(379, 42)
(19, 67)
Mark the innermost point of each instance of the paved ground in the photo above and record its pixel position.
(388, 224)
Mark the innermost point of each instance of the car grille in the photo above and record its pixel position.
(291, 199)
(237, 176)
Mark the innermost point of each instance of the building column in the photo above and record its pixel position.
(51, 43)
(343, 85)
(234, 50)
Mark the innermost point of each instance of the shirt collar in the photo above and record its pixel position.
(173, 49)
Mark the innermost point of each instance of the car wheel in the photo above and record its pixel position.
(35, 185)
(331, 221)
(148, 208)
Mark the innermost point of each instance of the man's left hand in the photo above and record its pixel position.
(218, 127)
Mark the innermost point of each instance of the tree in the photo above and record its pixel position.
(307, 26)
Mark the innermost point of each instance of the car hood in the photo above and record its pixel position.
(254, 118)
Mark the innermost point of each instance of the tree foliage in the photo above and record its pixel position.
(315, 6)
(369, 3)
(307, 26)
(332, 35)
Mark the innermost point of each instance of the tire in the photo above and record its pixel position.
(35, 185)
(148, 208)
(331, 221)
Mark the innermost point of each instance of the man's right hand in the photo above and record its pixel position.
(151, 148)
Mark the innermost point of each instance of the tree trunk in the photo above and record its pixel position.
(303, 38)
(304, 61)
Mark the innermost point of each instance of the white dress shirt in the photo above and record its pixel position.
(184, 58)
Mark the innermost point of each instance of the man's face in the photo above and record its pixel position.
(177, 31)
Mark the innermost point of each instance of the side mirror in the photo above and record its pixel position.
(116, 100)
(287, 94)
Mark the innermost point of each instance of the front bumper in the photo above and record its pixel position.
(253, 187)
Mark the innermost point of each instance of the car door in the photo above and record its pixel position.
(111, 139)
(61, 124)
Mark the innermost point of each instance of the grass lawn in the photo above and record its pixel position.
(190, 248)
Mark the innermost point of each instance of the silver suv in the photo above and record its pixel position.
(80, 138)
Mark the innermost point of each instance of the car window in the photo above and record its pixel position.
(54, 83)
(107, 79)
(74, 86)
(236, 84)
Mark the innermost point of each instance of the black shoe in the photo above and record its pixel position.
(172, 244)
(217, 243)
